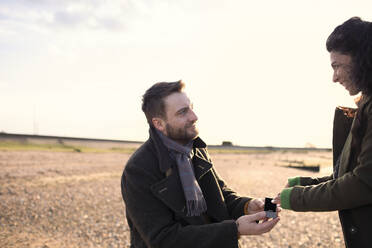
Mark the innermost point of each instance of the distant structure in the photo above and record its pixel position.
(309, 145)
(227, 143)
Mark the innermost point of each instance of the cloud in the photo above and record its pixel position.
(96, 14)
(34, 27)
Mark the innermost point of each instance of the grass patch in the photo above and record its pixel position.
(123, 150)
(238, 151)
(27, 146)
(295, 151)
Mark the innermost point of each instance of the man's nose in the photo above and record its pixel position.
(193, 116)
(335, 76)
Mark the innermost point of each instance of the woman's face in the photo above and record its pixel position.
(341, 65)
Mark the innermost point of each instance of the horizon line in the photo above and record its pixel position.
(231, 146)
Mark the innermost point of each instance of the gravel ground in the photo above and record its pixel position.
(55, 199)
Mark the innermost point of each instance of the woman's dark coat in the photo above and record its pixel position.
(351, 191)
(155, 202)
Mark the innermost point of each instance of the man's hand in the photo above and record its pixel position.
(256, 205)
(247, 224)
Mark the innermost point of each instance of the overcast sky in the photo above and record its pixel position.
(257, 71)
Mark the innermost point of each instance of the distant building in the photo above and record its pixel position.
(227, 143)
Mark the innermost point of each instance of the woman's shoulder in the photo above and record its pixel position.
(367, 102)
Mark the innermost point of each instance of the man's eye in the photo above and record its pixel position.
(183, 111)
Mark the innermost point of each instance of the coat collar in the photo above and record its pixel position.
(165, 161)
(363, 100)
(169, 189)
(342, 139)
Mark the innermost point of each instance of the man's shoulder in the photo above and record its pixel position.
(143, 166)
(143, 155)
(144, 161)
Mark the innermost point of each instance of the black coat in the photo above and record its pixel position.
(156, 206)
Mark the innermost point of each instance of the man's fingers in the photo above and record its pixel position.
(267, 225)
(257, 203)
(258, 216)
(272, 223)
(264, 220)
(261, 203)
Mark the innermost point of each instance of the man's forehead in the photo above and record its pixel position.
(176, 101)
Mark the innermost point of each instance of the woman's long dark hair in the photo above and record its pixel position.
(354, 38)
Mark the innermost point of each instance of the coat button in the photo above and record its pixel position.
(353, 230)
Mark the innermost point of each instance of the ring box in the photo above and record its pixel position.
(270, 208)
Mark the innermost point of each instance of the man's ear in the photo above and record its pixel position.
(158, 123)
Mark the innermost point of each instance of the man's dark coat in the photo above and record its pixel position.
(156, 206)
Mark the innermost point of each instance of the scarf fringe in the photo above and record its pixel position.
(195, 207)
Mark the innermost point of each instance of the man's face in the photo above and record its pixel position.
(180, 123)
(341, 65)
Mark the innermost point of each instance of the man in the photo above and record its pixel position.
(173, 195)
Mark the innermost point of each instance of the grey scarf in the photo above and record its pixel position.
(195, 201)
(337, 167)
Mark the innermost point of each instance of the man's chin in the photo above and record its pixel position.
(194, 134)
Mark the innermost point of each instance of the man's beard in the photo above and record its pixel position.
(181, 135)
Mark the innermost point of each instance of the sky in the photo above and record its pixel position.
(257, 72)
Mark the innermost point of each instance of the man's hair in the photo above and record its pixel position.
(153, 100)
(354, 38)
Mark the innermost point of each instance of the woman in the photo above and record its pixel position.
(349, 189)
